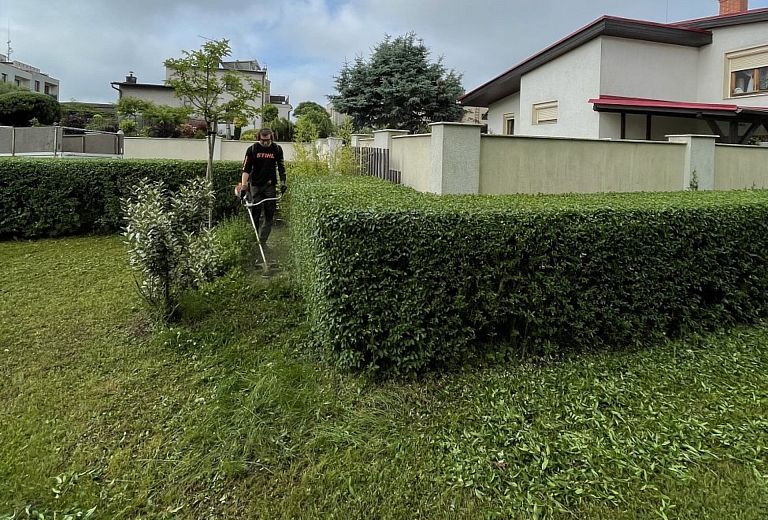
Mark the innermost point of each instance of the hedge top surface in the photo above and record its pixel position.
(363, 194)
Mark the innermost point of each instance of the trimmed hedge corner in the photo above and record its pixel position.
(52, 197)
(398, 281)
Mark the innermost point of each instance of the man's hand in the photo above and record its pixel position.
(283, 187)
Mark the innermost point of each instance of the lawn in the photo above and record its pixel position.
(229, 414)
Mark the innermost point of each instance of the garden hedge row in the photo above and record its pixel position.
(52, 197)
(398, 281)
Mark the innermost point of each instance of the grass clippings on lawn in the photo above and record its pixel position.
(229, 414)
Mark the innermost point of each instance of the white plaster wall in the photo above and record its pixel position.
(713, 76)
(635, 68)
(571, 80)
(159, 96)
(507, 105)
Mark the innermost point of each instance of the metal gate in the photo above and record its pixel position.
(375, 162)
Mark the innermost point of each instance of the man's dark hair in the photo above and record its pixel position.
(264, 132)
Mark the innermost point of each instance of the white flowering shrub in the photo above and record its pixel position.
(168, 246)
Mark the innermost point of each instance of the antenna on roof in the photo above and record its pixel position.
(9, 51)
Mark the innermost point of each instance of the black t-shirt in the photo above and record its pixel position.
(263, 162)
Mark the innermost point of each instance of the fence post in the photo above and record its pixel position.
(699, 164)
(13, 141)
(455, 158)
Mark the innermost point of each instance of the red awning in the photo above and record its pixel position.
(618, 103)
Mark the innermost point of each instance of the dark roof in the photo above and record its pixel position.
(712, 22)
(140, 85)
(509, 82)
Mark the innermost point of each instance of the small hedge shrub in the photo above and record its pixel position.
(398, 281)
(52, 197)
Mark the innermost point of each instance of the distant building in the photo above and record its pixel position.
(164, 95)
(28, 77)
(283, 105)
(337, 118)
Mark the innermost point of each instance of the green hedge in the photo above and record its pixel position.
(52, 197)
(398, 281)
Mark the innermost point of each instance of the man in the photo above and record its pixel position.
(263, 160)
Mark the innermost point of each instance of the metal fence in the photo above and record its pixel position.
(59, 141)
(375, 162)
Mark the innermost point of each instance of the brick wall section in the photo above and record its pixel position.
(733, 6)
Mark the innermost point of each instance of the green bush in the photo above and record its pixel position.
(18, 108)
(52, 197)
(398, 281)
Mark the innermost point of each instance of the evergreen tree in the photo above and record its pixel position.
(398, 87)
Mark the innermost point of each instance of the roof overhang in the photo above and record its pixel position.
(659, 107)
(713, 22)
(122, 84)
(509, 82)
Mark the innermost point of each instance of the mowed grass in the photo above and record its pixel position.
(230, 414)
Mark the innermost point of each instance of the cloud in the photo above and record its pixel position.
(87, 44)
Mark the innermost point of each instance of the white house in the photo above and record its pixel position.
(164, 95)
(28, 77)
(618, 78)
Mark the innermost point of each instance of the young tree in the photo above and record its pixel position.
(319, 117)
(213, 93)
(269, 113)
(398, 87)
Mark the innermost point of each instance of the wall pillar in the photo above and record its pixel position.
(699, 164)
(357, 137)
(455, 158)
(383, 138)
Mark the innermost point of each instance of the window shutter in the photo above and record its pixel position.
(754, 60)
(546, 112)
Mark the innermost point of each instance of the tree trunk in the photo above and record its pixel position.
(209, 170)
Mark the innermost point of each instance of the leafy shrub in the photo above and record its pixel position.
(53, 197)
(235, 239)
(398, 281)
(168, 245)
(20, 107)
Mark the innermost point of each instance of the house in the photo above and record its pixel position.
(28, 77)
(164, 95)
(283, 105)
(618, 78)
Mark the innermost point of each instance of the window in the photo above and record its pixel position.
(748, 72)
(5, 78)
(509, 124)
(545, 113)
(37, 86)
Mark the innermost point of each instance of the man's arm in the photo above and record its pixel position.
(247, 165)
(280, 165)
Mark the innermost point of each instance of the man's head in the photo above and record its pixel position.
(265, 136)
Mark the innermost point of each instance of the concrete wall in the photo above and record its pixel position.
(411, 156)
(155, 148)
(738, 167)
(91, 144)
(191, 149)
(551, 165)
(570, 80)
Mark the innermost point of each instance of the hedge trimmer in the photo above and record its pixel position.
(244, 195)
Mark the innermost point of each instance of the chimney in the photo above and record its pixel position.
(131, 78)
(728, 7)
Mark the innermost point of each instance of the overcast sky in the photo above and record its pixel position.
(86, 44)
